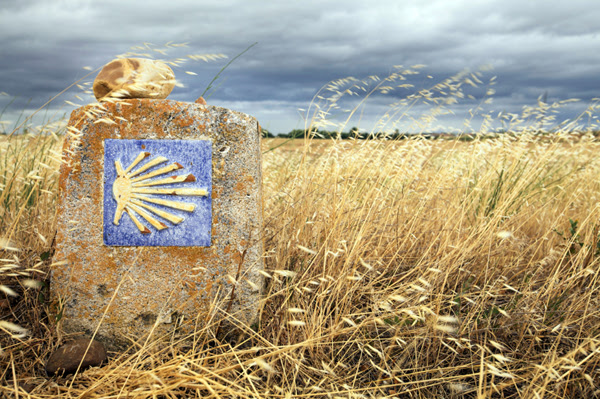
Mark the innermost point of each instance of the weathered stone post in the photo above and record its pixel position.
(160, 219)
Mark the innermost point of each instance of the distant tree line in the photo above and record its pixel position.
(353, 133)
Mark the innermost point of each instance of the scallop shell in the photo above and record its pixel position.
(134, 192)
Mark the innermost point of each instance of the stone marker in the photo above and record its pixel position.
(134, 78)
(160, 213)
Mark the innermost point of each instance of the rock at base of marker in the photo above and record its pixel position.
(67, 358)
(134, 78)
(200, 101)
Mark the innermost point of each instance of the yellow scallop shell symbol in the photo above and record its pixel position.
(133, 192)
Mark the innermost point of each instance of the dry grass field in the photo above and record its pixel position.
(414, 268)
(411, 269)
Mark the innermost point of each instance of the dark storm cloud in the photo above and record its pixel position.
(535, 47)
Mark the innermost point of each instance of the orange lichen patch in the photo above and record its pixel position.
(236, 257)
(216, 192)
(209, 287)
(186, 121)
(240, 186)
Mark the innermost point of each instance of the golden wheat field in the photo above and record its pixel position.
(411, 269)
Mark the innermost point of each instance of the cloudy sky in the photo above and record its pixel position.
(549, 47)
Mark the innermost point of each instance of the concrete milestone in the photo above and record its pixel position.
(159, 221)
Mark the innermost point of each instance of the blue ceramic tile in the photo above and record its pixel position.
(184, 157)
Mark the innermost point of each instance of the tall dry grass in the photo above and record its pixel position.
(415, 268)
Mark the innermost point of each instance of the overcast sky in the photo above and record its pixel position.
(534, 47)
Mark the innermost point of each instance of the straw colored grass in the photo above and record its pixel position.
(414, 268)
